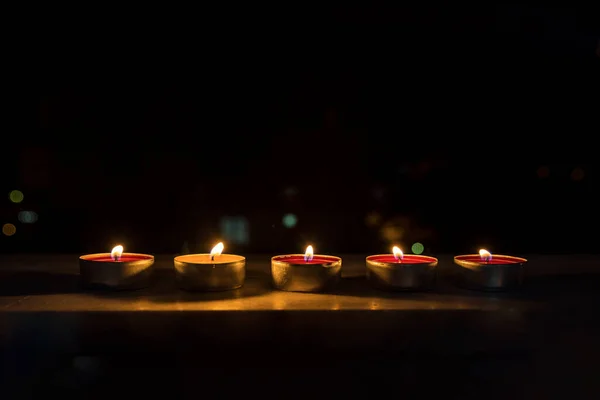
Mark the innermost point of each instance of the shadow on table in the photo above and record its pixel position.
(584, 284)
(37, 282)
(361, 287)
(538, 288)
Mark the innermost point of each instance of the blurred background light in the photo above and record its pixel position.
(417, 248)
(543, 172)
(9, 229)
(16, 196)
(289, 220)
(28, 217)
(577, 174)
(392, 233)
(235, 229)
(290, 191)
(373, 219)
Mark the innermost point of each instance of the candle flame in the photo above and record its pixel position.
(216, 251)
(308, 254)
(116, 252)
(398, 254)
(485, 255)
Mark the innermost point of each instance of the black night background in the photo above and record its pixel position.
(350, 129)
(440, 129)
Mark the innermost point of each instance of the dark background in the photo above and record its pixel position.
(458, 128)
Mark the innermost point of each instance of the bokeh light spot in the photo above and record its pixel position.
(28, 217)
(417, 248)
(577, 174)
(289, 220)
(373, 219)
(543, 172)
(16, 196)
(290, 191)
(235, 229)
(9, 229)
(392, 233)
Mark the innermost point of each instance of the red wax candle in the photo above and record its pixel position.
(299, 259)
(486, 258)
(490, 272)
(399, 271)
(407, 259)
(306, 272)
(116, 256)
(398, 257)
(496, 260)
(125, 257)
(116, 269)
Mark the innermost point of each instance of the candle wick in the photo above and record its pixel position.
(212, 258)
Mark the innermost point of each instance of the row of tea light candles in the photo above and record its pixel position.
(306, 272)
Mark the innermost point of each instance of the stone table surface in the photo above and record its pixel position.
(542, 340)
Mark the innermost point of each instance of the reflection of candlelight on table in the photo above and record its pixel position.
(116, 270)
(306, 272)
(399, 271)
(210, 272)
(490, 272)
(374, 305)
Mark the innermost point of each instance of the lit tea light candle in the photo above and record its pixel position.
(306, 272)
(309, 254)
(210, 272)
(485, 255)
(398, 254)
(399, 271)
(115, 270)
(116, 253)
(490, 272)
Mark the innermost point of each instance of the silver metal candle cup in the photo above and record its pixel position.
(490, 277)
(293, 277)
(195, 272)
(405, 276)
(115, 275)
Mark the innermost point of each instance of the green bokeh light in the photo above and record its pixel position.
(27, 217)
(16, 196)
(417, 248)
(289, 220)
